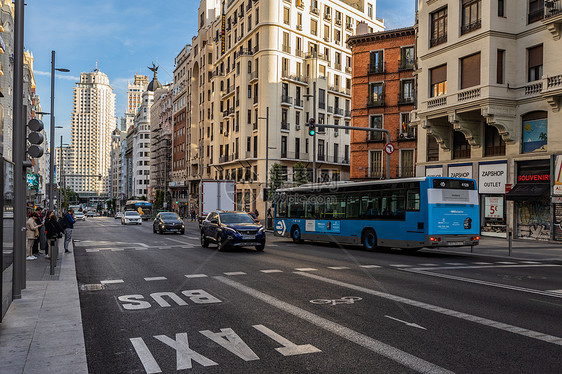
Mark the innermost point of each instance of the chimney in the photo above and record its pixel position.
(362, 28)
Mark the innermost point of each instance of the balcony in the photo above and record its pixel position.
(299, 102)
(337, 66)
(298, 79)
(439, 40)
(535, 16)
(321, 105)
(285, 126)
(249, 5)
(347, 114)
(327, 16)
(405, 98)
(228, 92)
(375, 173)
(256, 49)
(349, 26)
(300, 4)
(436, 102)
(255, 126)
(406, 171)
(299, 27)
(338, 112)
(465, 29)
(338, 21)
(553, 17)
(314, 10)
(314, 32)
(286, 100)
(375, 101)
(253, 76)
(286, 48)
(406, 64)
(468, 94)
(377, 68)
(331, 109)
(299, 53)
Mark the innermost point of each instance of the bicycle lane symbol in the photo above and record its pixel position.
(342, 300)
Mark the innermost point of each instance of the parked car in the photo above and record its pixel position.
(130, 217)
(79, 216)
(95, 214)
(253, 215)
(118, 215)
(168, 222)
(90, 213)
(232, 229)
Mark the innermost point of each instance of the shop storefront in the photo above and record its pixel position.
(531, 196)
(492, 177)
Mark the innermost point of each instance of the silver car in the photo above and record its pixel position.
(131, 217)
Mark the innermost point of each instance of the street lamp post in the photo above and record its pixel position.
(266, 162)
(52, 132)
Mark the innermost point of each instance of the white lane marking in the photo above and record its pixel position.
(529, 262)
(184, 354)
(176, 240)
(289, 348)
(271, 271)
(492, 284)
(92, 250)
(235, 273)
(491, 266)
(149, 279)
(230, 340)
(111, 281)
(141, 249)
(117, 249)
(455, 263)
(429, 265)
(448, 312)
(365, 341)
(306, 269)
(368, 266)
(400, 265)
(146, 357)
(482, 263)
(411, 324)
(555, 291)
(196, 275)
(338, 267)
(506, 263)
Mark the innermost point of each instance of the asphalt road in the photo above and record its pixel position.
(161, 303)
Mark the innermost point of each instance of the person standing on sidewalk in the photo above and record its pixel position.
(32, 232)
(53, 232)
(69, 225)
(37, 245)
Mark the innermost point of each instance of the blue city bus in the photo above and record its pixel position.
(144, 208)
(409, 213)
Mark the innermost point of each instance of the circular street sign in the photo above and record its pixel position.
(389, 148)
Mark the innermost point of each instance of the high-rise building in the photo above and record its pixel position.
(251, 58)
(134, 98)
(93, 120)
(160, 141)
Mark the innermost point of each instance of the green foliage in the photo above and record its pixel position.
(300, 174)
(143, 198)
(275, 179)
(69, 197)
(159, 200)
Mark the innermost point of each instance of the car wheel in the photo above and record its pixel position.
(204, 242)
(182, 232)
(369, 239)
(296, 234)
(260, 247)
(153, 230)
(160, 231)
(220, 245)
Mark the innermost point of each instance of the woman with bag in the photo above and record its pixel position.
(53, 232)
(31, 233)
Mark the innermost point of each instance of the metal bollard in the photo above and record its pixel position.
(510, 241)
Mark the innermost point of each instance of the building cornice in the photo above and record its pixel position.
(381, 35)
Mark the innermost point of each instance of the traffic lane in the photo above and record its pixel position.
(256, 337)
(457, 341)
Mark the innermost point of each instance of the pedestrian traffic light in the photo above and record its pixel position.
(311, 127)
(35, 138)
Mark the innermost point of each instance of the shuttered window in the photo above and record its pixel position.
(470, 71)
(438, 78)
(535, 63)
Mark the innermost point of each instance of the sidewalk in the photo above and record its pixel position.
(42, 332)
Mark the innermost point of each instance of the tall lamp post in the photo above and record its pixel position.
(266, 162)
(52, 132)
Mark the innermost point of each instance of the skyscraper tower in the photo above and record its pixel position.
(93, 120)
(134, 98)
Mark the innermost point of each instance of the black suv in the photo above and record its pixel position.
(236, 229)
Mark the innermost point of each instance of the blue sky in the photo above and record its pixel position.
(123, 37)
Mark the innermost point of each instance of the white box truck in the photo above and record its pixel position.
(215, 195)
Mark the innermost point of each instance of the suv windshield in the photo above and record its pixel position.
(236, 218)
(169, 216)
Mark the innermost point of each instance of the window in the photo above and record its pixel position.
(535, 63)
(375, 122)
(494, 144)
(438, 79)
(405, 130)
(376, 94)
(299, 21)
(536, 11)
(321, 99)
(500, 66)
(336, 151)
(313, 27)
(406, 91)
(297, 148)
(438, 27)
(283, 147)
(286, 19)
(432, 149)
(470, 71)
(321, 150)
(406, 58)
(461, 148)
(369, 11)
(376, 63)
(501, 8)
(407, 163)
(375, 164)
(470, 15)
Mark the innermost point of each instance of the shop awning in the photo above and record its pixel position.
(528, 192)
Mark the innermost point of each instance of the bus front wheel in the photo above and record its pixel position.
(369, 239)
(296, 234)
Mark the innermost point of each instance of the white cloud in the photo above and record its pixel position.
(58, 76)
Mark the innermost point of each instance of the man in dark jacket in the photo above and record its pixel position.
(69, 225)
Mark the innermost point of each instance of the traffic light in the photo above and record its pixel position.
(35, 138)
(311, 127)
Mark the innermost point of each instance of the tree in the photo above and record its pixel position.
(159, 200)
(300, 174)
(143, 198)
(69, 197)
(275, 179)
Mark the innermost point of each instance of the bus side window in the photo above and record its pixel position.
(320, 207)
(282, 207)
(310, 206)
(296, 206)
(413, 199)
(353, 206)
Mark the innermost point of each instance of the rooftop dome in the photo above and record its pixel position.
(154, 83)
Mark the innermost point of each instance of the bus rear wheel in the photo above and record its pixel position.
(296, 234)
(369, 239)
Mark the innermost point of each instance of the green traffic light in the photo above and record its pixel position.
(312, 132)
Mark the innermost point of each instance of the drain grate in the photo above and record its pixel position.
(91, 287)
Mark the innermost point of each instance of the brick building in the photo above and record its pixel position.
(382, 97)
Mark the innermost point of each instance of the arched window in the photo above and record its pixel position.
(461, 148)
(534, 134)
(494, 144)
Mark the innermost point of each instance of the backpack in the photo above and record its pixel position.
(62, 222)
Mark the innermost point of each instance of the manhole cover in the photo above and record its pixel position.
(91, 287)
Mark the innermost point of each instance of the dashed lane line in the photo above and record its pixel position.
(235, 273)
(449, 312)
(112, 281)
(339, 267)
(455, 263)
(196, 275)
(369, 266)
(269, 271)
(376, 346)
(556, 291)
(480, 263)
(399, 265)
(150, 279)
(306, 269)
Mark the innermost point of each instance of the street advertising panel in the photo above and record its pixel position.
(434, 171)
(460, 171)
(492, 178)
(493, 206)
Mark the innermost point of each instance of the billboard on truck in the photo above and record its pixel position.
(217, 194)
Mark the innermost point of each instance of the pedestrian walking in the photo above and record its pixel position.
(53, 231)
(193, 215)
(32, 232)
(256, 213)
(69, 225)
(37, 244)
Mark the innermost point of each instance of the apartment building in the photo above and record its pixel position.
(253, 71)
(115, 168)
(383, 97)
(63, 157)
(161, 118)
(489, 86)
(93, 120)
(134, 97)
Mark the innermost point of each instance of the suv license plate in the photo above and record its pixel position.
(248, 237)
